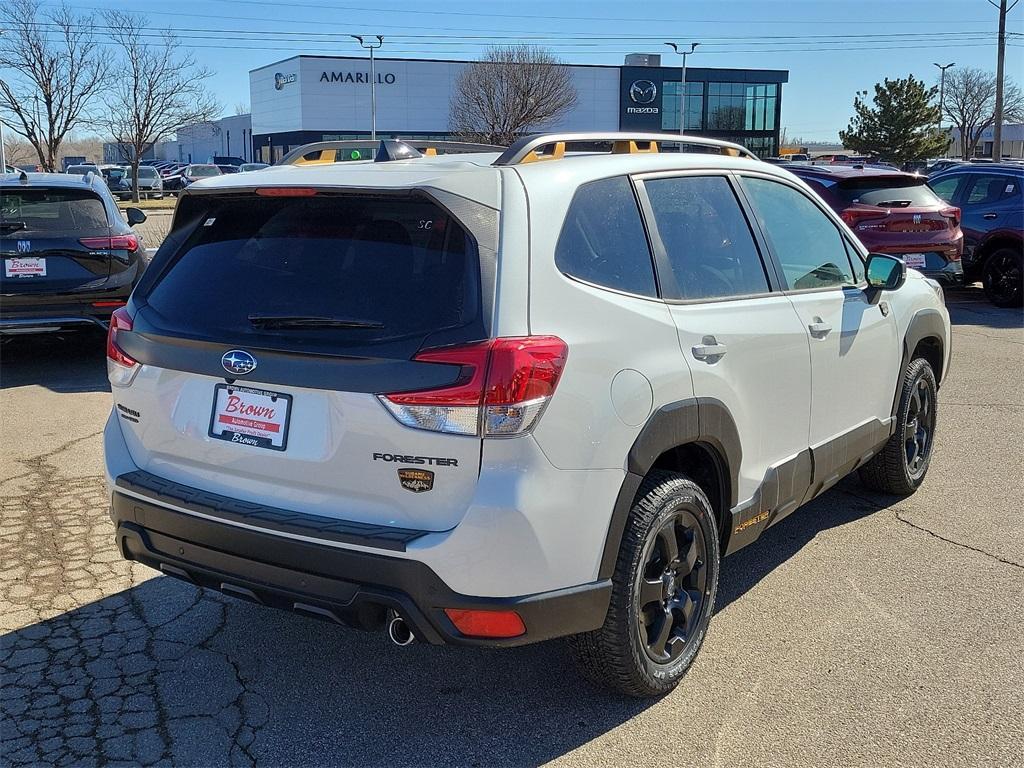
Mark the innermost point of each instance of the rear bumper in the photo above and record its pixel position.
(54, 317)
(330, 582)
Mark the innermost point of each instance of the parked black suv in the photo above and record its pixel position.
(69, 257)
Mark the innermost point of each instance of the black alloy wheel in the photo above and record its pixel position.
(670, 596)
(1003, 278)
(920, 426)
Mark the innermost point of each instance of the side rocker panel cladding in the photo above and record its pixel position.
(698, 419)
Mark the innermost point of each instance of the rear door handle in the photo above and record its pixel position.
(712, 350)
(819, 329)
(990, 215)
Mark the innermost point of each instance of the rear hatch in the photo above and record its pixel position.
(267, 328)
(901, 215)
(52, 240)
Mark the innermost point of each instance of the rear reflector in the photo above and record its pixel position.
(120, 367)
(471, 623)
(502, 390)
(128, 243)
(285, 191)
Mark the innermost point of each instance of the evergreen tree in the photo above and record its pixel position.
(900, 126)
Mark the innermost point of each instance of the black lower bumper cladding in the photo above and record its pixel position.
(209, 547)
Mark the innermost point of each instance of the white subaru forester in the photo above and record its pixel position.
(494, 398)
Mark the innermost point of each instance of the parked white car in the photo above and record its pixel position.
(496, 398)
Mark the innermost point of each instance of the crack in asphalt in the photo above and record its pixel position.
(940, 537)
(102, 662)
(873, 505)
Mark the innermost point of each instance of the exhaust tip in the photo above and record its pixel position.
(399, 631)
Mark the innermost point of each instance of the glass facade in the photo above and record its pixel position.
(694, 106)
(742, 106)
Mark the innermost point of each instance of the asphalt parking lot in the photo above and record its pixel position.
(861, 631)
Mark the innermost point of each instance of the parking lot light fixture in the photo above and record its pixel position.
(942, 87)
(682, 82)
(371, 47)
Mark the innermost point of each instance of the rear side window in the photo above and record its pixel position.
(53, 211)
(401, 267)
(945, 188)
(988, 189)
(806, 243)
(706, 237)
(603, 239)
(886, 192)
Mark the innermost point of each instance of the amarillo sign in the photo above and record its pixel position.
(356, 77)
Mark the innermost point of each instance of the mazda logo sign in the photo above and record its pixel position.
(238, 362)
(643, 92)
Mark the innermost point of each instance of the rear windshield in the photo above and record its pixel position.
(888, 192)
(51, 210)
(402, 267)
(204, 170)
(145, 172)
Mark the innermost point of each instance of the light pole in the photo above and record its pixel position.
(682, 82)
(942, 87)
(373, 82)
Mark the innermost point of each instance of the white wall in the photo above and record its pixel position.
(412, 96)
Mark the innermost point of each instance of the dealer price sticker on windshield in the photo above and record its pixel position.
(29, 267)
(250, 417)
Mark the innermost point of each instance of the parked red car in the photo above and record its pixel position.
(893, 212)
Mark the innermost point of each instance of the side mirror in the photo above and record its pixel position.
(135, 216)
(884, 272)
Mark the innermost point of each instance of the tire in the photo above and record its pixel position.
(1002, 276)
(623, 654)
(900, 467)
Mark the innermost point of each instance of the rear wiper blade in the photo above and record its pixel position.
(310, 321)
(12, 226)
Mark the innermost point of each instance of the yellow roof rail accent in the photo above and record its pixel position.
(325, 152)
(550, 146)
(430, 151)
(554, 151)
(632, 148)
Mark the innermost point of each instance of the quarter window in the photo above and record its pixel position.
(806, 243)
(946, 188)
(706, 237)
(603, 239)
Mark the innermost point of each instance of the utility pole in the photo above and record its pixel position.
(373, 82)
(942, 91)
(682, 82)
(997, 127)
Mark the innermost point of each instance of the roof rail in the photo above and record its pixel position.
(327, 151)
(544, 146)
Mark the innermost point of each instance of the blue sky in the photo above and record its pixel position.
(831, 47)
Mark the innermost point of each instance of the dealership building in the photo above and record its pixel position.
(321, 98)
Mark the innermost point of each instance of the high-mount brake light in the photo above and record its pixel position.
(128, 243)
(286, 192)
(121, 367)
(504, 387)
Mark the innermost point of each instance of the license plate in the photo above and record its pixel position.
(25, 267)
(250, 417)
(915, 260)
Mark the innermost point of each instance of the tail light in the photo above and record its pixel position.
(504, 387)
(128, 243)
(853, 216)
(953, 214)
(121, 367)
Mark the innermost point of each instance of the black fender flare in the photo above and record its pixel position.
(694, 420)
(925, 324)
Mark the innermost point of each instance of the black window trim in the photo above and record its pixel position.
(663, 267)
(829, 213)
(657, 297)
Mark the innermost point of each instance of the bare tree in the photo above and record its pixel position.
(969, 104)
(56, 71)
(241, 108)
(159, 90)
(510, 91)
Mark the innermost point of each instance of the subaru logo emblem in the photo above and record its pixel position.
(643, 92)
(238, 362)
(24, 246)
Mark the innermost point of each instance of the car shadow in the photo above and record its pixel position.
(847, 502)
(969, 306)
(64, 362)
(166, 671)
